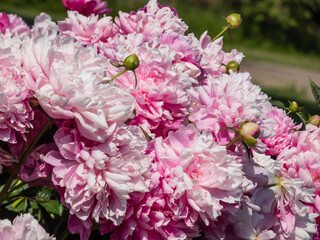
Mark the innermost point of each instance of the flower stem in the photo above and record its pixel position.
(22, 159)
(233, 141)
(220, 33)
(117, 75)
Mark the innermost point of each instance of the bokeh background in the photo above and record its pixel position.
(280, 38)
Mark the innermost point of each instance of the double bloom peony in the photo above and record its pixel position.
(151, 161)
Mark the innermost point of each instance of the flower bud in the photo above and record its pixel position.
(234, 19)
(232, 65)
(131, 62)
(315, 120)
(294, 107)
(249, 131)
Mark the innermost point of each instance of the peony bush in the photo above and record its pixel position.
(130, 128)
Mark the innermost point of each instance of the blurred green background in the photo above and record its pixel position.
(275, 34)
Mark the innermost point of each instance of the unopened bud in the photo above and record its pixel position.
(294, 107)
(234, 19)
(131, 62)
(232, 65)
(249, 132)
(315, 120)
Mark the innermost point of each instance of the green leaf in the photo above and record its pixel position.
(278, 104)
(54, 207)
(316, 91)
(304, 113)
(20, 205)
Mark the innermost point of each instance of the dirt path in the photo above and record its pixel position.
(269, 75)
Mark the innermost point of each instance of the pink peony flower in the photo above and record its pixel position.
(284, 130)
(199, 176)
(24, 227)
(95, 179)
(34, 167)
(15, 112)
(151, 21)
(87, 7)
(285, 201)
(213, 58)
(228, 101)
(6, 159)
(43, 25)
(162, 100)
(87, 30)
(70, 85)
(13, 24)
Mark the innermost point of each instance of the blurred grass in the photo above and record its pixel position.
(199, 17)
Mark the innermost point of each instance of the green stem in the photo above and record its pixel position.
(220, 33)
(117, 75)
(233, 141)
(231, 128)
(17, 167)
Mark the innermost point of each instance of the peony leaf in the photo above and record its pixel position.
(54, 207)
(278, 104)
(316, 91)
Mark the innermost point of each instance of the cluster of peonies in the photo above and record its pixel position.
(178, 148)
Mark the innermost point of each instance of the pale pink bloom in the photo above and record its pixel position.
(34, 167)
(87, 30)
(95, 179)
(200, 176)
(13, 24)
(15, 112)
(87, 7)
(249, 224)
(187, 51)
(284, 129)
(286, 201)
(43, 25)
(213, 58)
(308, 140)
(161, 96)
(152, 21)
(228, 101)
(23, 227)
(70, 85)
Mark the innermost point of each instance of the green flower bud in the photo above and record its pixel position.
(315, 120)
(131, 62)
(294, 107)
(249, 131)
(232, 65)
(234, 19)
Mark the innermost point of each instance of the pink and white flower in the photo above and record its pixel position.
(69, 84)
(13, 24)
(95, 179)
(15, 112)
(23, 227)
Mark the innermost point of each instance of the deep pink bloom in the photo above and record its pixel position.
(15, 112)
(24, 227)
(95, 179)
(6, 159)
(87, 7)
(70, 84)
(13, 24)
(34, 167)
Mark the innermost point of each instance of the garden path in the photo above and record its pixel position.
(271, 75)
